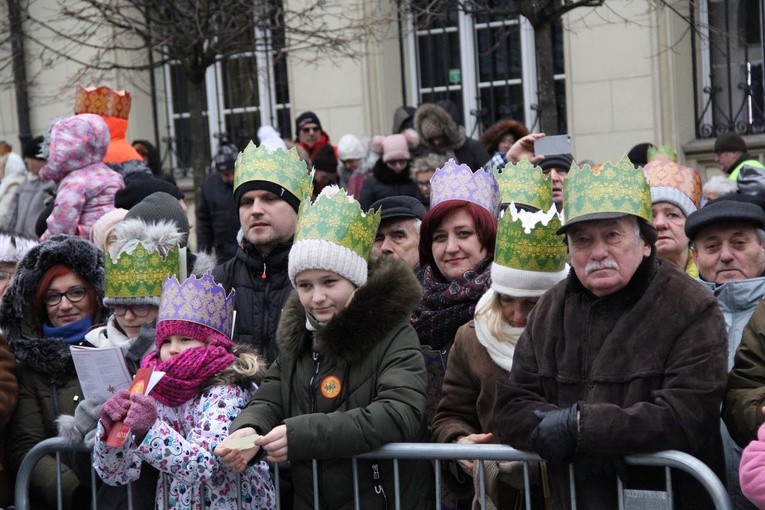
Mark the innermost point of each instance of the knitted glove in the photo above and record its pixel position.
(114, 409)
(141, 415)
(557, 434)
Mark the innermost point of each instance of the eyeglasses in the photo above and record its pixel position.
(397, 162)
(310, 129)
(73, 295)
(136, 310)
(5, 276)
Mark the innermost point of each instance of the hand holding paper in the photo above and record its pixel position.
(238, 449)
(143, 382)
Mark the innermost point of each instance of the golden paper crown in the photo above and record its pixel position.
(674, 183)
(102, 101)
(138, 273)
(337, 217)
(524, 183)
(528, 240)
(284, 168)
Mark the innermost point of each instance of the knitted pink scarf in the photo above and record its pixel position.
(186, 372)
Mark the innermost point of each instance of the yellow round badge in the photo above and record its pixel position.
(330, 386)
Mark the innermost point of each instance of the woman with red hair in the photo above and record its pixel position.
(52, 302)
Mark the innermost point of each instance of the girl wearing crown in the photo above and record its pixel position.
(176, 428)
(349, 377)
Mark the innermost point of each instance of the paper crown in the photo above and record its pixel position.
(284, 168)
(665, 151)
(337, 217)
(198, 300)
(102, 101)
(138, 273)
(524, 183)
(674, 183)
(618, 188)
(459, 182)
(528, 240)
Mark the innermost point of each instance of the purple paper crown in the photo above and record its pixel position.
(459, 182)
(198, 300)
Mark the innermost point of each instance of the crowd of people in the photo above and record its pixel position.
(413, 287)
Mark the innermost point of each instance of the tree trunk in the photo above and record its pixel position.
(19, 71)
(548, 102)
(198, 158)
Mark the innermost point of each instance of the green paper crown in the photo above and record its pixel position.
(610, 188)
(524, 183)
(138, 273)
(527, 240)
(284, 168)
(338, 218)
(665, 151)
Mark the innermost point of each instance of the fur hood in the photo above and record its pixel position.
(430, 120)
(23, 325)
(492, 136)
(389, 297)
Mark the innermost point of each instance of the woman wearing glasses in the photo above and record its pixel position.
(53, 300)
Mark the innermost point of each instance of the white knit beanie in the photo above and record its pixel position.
(521, 283)
(350, 147)
(328, 256)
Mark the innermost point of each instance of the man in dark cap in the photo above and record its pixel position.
(399, 232)
(309, 133)
(557, 167)
(728, 244)
(732, 155)
(217, 215)
(32, 194)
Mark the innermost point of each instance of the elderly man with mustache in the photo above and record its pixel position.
(625, 356)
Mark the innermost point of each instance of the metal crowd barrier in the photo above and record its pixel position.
(396, 452)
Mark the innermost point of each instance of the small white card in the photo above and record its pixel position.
(240, 443)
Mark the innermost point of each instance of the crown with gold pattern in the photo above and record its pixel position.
(135, 276)
(530, 257)
(283, 168)
(334, 234)
(102, 101)
(337, 217)
(609, 191)
(674, 183)
(199, 300)
(524, 183)
(459, 182)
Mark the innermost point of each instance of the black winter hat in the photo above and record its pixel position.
(33, 148)
(400, 206)
(639, 154)
(139, 186)
(225, 158)
(306, 118)
(325, 159)
(557, 161)
(724, 209)
(730, 142)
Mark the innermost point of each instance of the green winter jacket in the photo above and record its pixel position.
(349, 388)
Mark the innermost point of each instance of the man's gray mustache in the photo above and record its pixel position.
(603, 264)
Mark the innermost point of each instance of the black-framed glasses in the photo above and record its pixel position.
(136, 310)
(73, 295)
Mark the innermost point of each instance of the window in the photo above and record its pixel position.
(484, 63)
(244, 92)
(729, 91)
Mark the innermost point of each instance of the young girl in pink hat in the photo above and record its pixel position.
(178, 425)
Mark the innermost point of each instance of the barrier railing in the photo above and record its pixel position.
(423, 451)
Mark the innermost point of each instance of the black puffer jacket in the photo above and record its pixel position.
(262, 287)
(48, 385)
(384, 182)
(217, 218)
